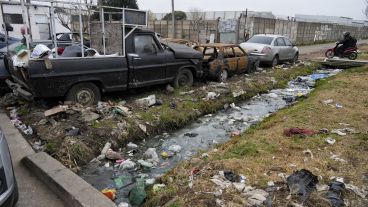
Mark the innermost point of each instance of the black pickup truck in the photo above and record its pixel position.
(83, 79)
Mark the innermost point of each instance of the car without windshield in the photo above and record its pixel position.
(271, 49)
(223, 60)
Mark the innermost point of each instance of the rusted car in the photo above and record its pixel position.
(188, 43)
(223, 60)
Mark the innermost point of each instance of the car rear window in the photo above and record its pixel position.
(261, 40)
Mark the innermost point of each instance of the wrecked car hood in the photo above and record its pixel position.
(184, 52)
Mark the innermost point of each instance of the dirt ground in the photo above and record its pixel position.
(176, 109)
(264, 152)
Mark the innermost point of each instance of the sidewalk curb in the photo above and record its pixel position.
(72, 189)
(67, 186)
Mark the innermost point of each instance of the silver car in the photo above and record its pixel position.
(271, 49)
(8, 184)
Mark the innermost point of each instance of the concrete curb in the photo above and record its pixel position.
(72, 189)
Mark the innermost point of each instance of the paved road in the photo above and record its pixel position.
(32, 192)
(322, 47)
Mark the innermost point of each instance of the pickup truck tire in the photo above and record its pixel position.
(184, 78)
(86, 94)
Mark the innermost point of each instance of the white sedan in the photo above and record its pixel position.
(271, 49)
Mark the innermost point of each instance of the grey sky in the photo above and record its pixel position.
(349, 8)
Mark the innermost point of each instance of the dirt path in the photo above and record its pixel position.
(318, 51)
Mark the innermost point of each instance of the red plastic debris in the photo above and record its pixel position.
(195, 171)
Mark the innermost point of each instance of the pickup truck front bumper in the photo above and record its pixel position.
(18, 90)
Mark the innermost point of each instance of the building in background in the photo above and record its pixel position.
(39, 18)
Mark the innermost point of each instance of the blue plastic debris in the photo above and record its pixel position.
(318, 76)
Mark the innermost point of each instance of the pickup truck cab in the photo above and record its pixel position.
(83, 79)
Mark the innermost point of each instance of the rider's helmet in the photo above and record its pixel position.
(346, 34)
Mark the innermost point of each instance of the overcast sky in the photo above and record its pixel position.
(349, 8)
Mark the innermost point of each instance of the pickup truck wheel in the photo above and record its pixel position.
(85, 94)
(184, 78)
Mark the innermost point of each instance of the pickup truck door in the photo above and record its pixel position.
(149, 61)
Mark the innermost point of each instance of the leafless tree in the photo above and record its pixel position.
(151, 16)
(196, 14)
(64, 13)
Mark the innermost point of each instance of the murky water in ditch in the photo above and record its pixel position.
(206, 132)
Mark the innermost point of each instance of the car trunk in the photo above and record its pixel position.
(253, 47)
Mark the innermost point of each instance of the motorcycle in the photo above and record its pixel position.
(351, 52)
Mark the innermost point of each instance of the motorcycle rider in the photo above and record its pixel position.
(347, 42)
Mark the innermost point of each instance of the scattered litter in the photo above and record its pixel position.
(55, 110)
(175, 148)
(112, 155)
(72, 131)
(191, 135)
(204, 155)
(107, 165)
(123, 204)
(127, 165)
(27, 130)
(131, 145)
(166, 155)
(157, 187)
(122, 110)
(232, 176)
(119, 182)
(38, 145)
(302, 182)
(220, 202)
(235, 107)
(110, 193)
(220, 183)
(300, 131)
(143, 128)
(238, 93)
(330, 140)
(150, 181)
(239, 186)
(339, 106)
(335, 194)
(329, 101)
(273, 95)
(170, 89)
(187, 93)
(360, 192)
(309, 153)
(337, 158)
(137, 194)
(211, 96)
(322, 187)
(145, 164)
(146, 102)
(151, 156)
(270, 184)
(256, 197)
(338, 132)
(105, 148)
(89, 116)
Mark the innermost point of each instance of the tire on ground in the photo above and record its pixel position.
(275, 61)
(86, 94)
(184, 78)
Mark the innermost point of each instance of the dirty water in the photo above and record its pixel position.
(202, 135)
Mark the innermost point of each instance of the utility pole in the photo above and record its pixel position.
(173, 17)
